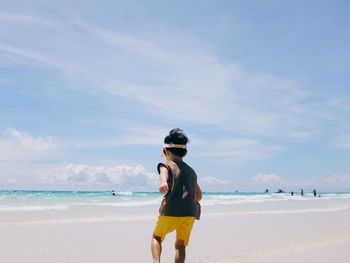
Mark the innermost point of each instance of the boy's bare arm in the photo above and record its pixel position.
(198, 193)
(163, 179)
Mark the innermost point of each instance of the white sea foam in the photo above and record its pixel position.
(82, 220)
(32, 208)
(125, 193)
(228, 200)
(219, 199)
(32, 202)
(136, 218)
(277, 212)
(130, 203)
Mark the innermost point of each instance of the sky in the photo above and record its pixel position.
(89, 90)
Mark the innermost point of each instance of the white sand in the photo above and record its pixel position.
(311, 231)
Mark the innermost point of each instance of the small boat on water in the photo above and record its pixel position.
(280, 191)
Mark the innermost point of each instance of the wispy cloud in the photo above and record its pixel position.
(301, 135)
(236, 151)
(21, 19)
(21, 146)
(342, 140)
(266, 178)
(130, 135)
(28, 55)
(213, 181)
(337, 182)
(153, 71)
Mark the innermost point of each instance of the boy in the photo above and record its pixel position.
(180, 205)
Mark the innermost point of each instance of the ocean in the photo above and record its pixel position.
(68, 207)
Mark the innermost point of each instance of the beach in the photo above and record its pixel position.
(96, 227)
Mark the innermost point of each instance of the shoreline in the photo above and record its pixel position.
(314, 230)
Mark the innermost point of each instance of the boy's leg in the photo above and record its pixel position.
(180, 251)
(183, 232)
(156, 247)
(164, 225)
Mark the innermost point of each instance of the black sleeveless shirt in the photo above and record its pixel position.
(180, 199)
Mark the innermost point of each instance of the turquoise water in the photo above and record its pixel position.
(27, 200)
(69, 207)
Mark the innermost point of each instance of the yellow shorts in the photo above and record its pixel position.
(182, 225)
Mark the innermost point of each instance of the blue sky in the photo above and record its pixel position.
(89, 89)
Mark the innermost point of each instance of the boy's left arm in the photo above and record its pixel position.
(198, 194)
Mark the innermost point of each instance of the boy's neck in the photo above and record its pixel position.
(175, 158)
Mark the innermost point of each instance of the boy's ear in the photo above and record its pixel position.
(163, 153)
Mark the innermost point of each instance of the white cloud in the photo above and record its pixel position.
(262, 178)
(90, 175)
(213, 181)
(331, 183)
(19, 145)
(27, 142)
(337, 182)
(274, 182)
